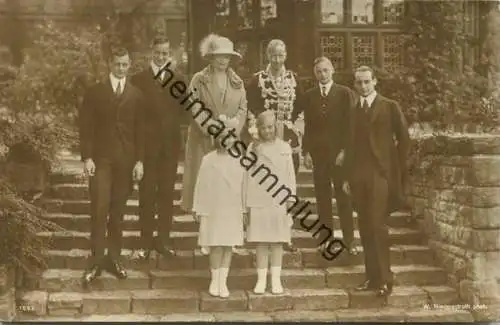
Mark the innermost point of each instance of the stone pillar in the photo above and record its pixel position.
(7, 294)
(456, 199)
(491, 47)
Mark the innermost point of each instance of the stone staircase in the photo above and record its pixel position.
(175, 289)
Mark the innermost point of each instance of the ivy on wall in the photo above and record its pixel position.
(435, 87)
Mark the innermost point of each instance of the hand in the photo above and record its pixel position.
(290, 205)
(197, 217)
(246, 219)
(346, 188)
(89, 167)
(339, 161)
(308, 161)
(138, 171)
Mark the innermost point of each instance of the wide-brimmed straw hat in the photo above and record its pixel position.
(215, 44)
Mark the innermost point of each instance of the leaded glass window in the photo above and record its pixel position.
(393, 11)
(363, 11)
(332, 11)
(362, 32)
(393, 52)
(363, 50)
(333, 47)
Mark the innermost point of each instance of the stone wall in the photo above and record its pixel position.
(7, 294)
(455, 191)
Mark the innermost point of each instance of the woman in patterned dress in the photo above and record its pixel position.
(277, 88)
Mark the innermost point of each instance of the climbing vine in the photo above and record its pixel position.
(436, 86)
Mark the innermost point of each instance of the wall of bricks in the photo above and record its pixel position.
(7, 294)
(455, 194)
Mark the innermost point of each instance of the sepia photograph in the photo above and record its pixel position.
(250, 161)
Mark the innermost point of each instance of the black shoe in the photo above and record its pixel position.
(365, 286)
(165, 250)
(143, 254)
(385, 290)
(115, 268)
(290, 248)
(90, 274)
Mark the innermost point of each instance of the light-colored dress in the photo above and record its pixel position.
(269, 220)
(230, 102)
(218, 198)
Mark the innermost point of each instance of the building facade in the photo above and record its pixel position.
(349, 32)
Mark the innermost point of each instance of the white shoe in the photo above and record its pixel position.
(223, 290)
(276, 286)
(260, 286)
(213, 289)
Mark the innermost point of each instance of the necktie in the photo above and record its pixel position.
(118, 89)
(365, 106)
(323, 91)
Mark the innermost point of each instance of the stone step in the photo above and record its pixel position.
(186, 223)
(243, 258)
(67, 280)
(387, 315)
(67, 240)
(72, 172)
(132, 206)
(339, 303)
(80, 191)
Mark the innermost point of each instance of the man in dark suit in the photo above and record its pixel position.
(112, 149)
(376, 161)
(163, 117)
(326, 117)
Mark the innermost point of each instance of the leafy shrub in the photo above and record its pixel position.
(20, 222)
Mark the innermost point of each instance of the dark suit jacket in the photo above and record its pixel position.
(110, 127)
(163, 114)
(389, 141)
(326, 133)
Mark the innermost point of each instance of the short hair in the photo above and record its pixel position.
(323, 59)
(365, 68)
(267, 114)
(159, 39)
(117, 52)
(273, 44)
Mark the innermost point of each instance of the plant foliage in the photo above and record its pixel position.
(20, 222)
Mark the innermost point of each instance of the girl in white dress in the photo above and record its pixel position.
(218, 206)
(270, 225)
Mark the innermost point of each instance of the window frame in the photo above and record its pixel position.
(348, 29)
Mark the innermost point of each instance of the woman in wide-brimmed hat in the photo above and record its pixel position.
(222, 91)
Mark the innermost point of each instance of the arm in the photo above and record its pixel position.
(349, 135)
(241, 114)
(291, 178)
(195, 84)
(86, 126)
(245, 184)
(202, 186)
(306, 139)
(299, 106)
(402, 136)
(140, 128)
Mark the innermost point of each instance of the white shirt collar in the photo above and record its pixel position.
(114, 82)
(370, 98)
(156, 68)
(327, 87)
